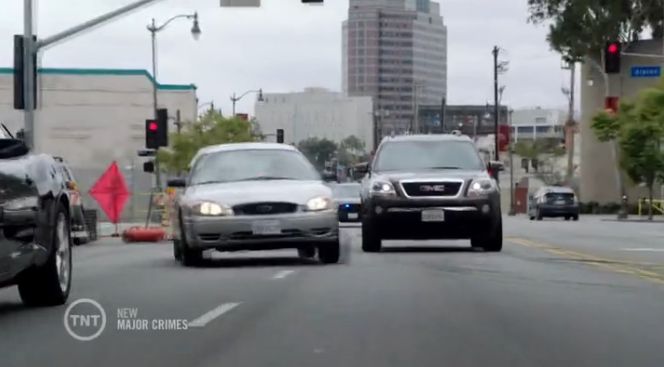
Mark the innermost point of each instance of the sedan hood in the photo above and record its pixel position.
(243, 192)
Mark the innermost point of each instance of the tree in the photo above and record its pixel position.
(318, 151)
(544, 152)
(210, 129)
(639, 130)
(580, 28)
(351, 151)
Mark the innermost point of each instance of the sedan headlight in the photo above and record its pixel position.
(211, 209)
(319, 203)
(382, 188)
(481, 187)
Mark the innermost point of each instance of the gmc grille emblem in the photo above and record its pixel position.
(432, 188)
(264, 208)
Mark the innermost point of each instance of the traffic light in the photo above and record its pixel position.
(280, 136)
(151, 129)
(19, 75)
(156, 131)
(612, 58)
(148, 167)
(162, 122)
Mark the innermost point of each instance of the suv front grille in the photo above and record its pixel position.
(434, 188)
(265, 208)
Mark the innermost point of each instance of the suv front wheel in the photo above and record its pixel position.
(371, 241)
(492, 242)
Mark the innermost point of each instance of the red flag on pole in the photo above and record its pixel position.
(111, 192)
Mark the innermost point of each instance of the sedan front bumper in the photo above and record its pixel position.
(233, 233)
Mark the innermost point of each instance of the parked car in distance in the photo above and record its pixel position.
(79, 231)
(347, 199)
(553, 201)
(35, 238)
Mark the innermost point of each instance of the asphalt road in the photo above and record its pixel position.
(560, 294)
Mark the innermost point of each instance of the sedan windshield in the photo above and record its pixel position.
(249, 165)
(418, 155)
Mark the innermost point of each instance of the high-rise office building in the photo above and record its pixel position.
(396, 52)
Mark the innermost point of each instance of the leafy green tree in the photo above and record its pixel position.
(318, 151)
(351, 150)
(544, 152)
(639, 130)
(210, 129)
(580, 28)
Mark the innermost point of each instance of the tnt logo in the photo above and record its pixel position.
(85, 319)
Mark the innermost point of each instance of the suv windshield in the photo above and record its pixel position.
(422, 155)
(246, 165)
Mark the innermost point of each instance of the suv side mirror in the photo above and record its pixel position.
(362, 169)
(177, 182)
(496, 166)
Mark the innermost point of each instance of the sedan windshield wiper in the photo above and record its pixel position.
(444, 167)
(263, 178)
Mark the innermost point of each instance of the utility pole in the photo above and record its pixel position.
(495, 53)
(570, 125)
(511, 153)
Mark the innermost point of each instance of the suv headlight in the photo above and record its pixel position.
(319, 203)
(481, 187)
(382, 188)
(211, 209)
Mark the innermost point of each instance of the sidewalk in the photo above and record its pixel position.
(106, 229)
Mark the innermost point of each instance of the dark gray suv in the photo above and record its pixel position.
(421, 187)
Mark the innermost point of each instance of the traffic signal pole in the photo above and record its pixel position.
(28, 75)
(32, 48)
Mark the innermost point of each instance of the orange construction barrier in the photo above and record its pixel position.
(142, 234)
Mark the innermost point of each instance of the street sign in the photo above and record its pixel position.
(646, 71)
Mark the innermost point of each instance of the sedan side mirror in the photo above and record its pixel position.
(177, 182)
(329, 176)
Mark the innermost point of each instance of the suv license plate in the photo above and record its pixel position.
(266, 227)
(433, 216)
(560, 202)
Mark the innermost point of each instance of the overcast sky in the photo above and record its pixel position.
(286, 46)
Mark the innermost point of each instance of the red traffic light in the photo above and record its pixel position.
(613, 48)
(153, 126)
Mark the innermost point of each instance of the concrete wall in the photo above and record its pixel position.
(92, 117)
(598, 174)
(316, 113)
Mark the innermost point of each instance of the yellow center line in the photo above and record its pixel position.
(624, 267)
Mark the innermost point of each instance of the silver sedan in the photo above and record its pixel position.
(254, 196)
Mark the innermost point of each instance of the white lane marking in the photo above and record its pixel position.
(644, 249)
(213, 314)
(282, 274)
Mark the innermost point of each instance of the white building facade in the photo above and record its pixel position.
(316, 112)
(92, 117)
(538, 123)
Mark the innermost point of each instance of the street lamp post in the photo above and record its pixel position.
(154, 29)
(234, 98)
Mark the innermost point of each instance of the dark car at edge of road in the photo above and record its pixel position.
(553, 201)
(35, 241)
(421, 187)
